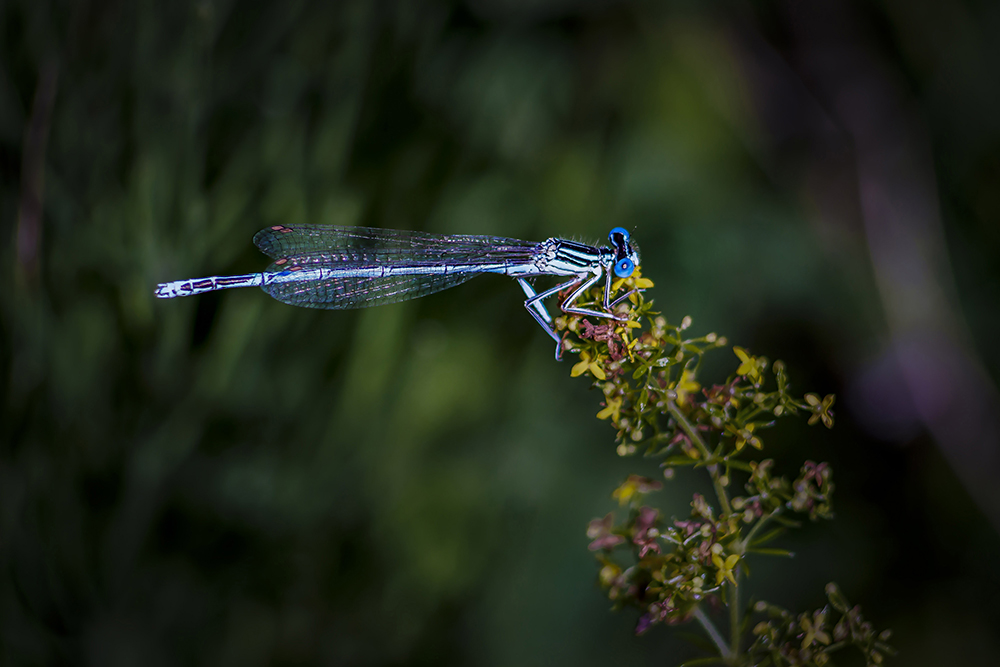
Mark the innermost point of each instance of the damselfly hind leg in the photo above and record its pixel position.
(538, 310)
(529, 291)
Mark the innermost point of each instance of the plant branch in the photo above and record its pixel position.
(734, 612)
(744, 544)
(713, 469)
(713, 633)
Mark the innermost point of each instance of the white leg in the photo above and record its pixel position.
(568, 307)
(530, 292)
(623, 297)
(540, 313)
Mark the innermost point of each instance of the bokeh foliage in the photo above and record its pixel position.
(227, 480)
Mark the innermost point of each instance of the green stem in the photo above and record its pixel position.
(713, 469)
(713, 660)
(728, 653)
(744, 544)
(655, 438)
(713, 633)
(734, 612)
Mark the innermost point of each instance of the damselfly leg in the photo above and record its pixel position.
(568, 307)
(529, 292)
(537, 309)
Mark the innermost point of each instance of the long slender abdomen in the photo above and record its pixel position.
(198, 285)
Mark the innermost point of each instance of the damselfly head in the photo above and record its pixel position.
(626, 253)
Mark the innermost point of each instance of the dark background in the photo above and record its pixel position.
(226, 480)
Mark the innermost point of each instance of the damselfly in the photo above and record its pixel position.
(356, 267)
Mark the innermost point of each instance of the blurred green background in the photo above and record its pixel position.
(227, 480)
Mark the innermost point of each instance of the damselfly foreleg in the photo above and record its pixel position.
(607, 294)
(624, 296)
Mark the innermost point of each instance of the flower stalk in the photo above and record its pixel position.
(713, 633)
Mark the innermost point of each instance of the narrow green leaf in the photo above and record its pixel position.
(768, 536)
(785, 521)
(679, 460)
(738, 464)
(772, 552)
(717, 453)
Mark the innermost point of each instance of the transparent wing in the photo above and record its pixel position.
(383, 246)
(345, 292)
(345, 249)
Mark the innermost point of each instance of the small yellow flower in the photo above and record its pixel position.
(686, 386)
(745, 435)
(748, 365)
(630, 347)
(587, 364)
(823, 411)
(613, 410)
(635, 485)
(813, 633)
(609, 573)
(629, 342)
(624, 493)
(725, 568)
(581, 367)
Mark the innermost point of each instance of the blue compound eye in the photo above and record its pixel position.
(624, 267)
(618, 230)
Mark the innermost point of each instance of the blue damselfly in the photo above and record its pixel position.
(356, 267)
